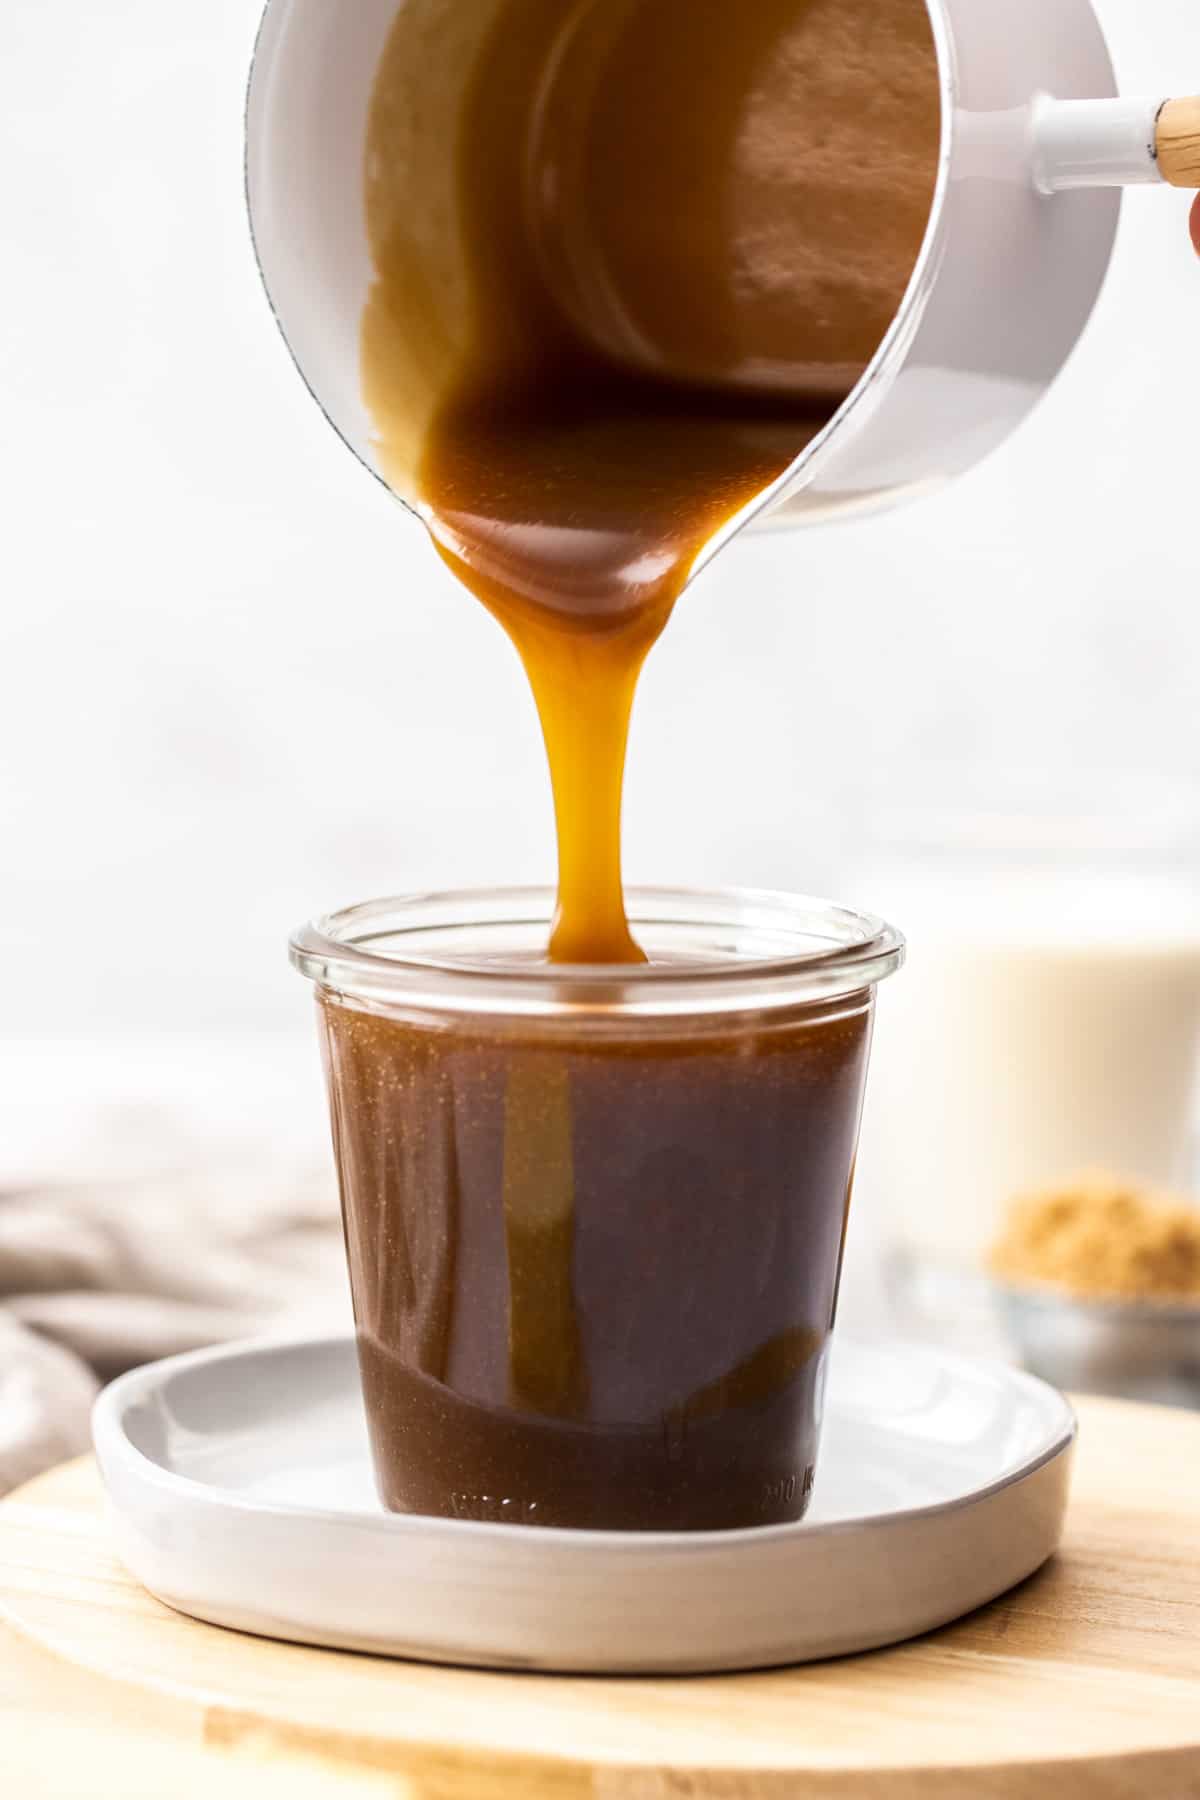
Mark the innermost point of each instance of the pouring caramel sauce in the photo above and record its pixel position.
(631, 256)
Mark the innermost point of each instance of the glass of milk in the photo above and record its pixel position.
(1047, 1024)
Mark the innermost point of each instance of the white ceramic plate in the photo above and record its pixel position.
(242, 1490)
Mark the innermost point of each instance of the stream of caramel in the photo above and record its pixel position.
(631, 255)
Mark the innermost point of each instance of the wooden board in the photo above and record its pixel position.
(1082, 1685)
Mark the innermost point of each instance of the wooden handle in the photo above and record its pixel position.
(1178, 142)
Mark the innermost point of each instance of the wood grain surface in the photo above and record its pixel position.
(1084, 1684)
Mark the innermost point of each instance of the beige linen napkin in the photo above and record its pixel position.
(149, 1228)
(95, 1280)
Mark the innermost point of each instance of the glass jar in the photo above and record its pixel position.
(595, 1216)
(1047, 1029)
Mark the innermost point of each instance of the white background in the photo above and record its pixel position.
(236, 686)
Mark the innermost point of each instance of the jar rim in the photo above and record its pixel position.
(738, 949)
